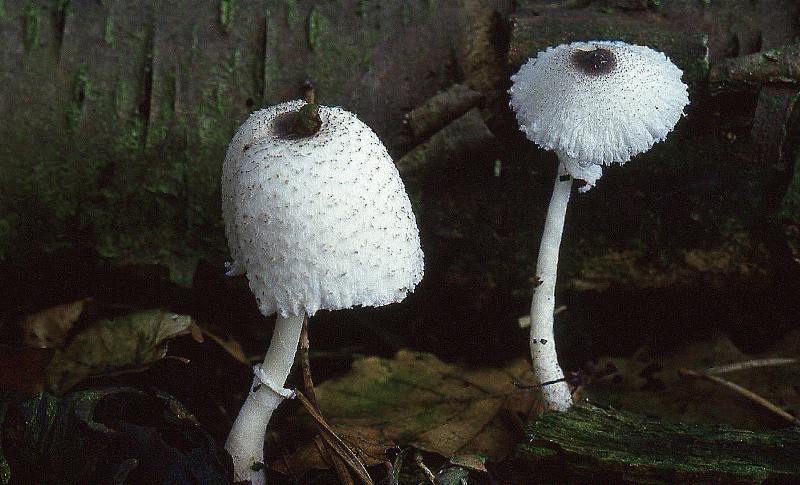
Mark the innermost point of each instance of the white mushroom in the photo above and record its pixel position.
(318, 218)
(594, 104)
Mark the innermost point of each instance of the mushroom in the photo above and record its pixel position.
(317, 217)
(594, 104)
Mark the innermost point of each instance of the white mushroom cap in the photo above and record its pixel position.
(597, 103)
(320, 222)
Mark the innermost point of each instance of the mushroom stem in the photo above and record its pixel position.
(246, 441)
(546, 371)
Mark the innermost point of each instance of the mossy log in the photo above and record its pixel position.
(774, 66)
(533, 32)
(441, 109)
(116, 115)
(593, 445)
(456, 144)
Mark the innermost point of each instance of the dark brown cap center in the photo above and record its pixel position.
(594, 61)
(303, 123)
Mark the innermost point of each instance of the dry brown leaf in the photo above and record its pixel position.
(127, 342)
(471, 462)
(48, 328)
(415, 399)
(367, 443)
(229, 345)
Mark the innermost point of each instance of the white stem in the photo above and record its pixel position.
(543, 346)
(246, 441)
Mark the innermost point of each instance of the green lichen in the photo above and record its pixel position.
(195, 39)
(219, 97)
(271, 69)
(315, 19)
(121, 98)
(332, 52)
(231, 67)
(226, 12)
(108, 29)
(293, 14)
(2, 10)
(362, 8)
(32, 20)
(407, 13)
(160, 123)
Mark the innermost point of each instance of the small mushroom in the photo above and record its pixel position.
(594, 104)
(317, 217)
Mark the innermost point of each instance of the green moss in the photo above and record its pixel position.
(2, 10)
(315, 21)
(606, 443)
(696, 70)
(226, 11)
(32, 21)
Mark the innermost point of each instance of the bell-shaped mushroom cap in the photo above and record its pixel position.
(597, 103)
(321, 221)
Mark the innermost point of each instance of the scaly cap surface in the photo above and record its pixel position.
(318, 222)
(597, 103)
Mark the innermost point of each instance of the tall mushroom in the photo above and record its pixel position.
(594, 104)
(317, 217)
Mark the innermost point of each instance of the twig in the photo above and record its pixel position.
(746, 393)
(422, 466)
(305, 364)
(335, 442)
(335, 458)
(750, 364)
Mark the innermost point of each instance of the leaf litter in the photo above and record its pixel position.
(129, 342)
(417, 400)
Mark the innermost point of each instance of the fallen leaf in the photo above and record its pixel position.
(472, 462)
(123, 343)
(367, 443)
(415, 399)
(649, 383)
(47, 329)
(229, 345)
